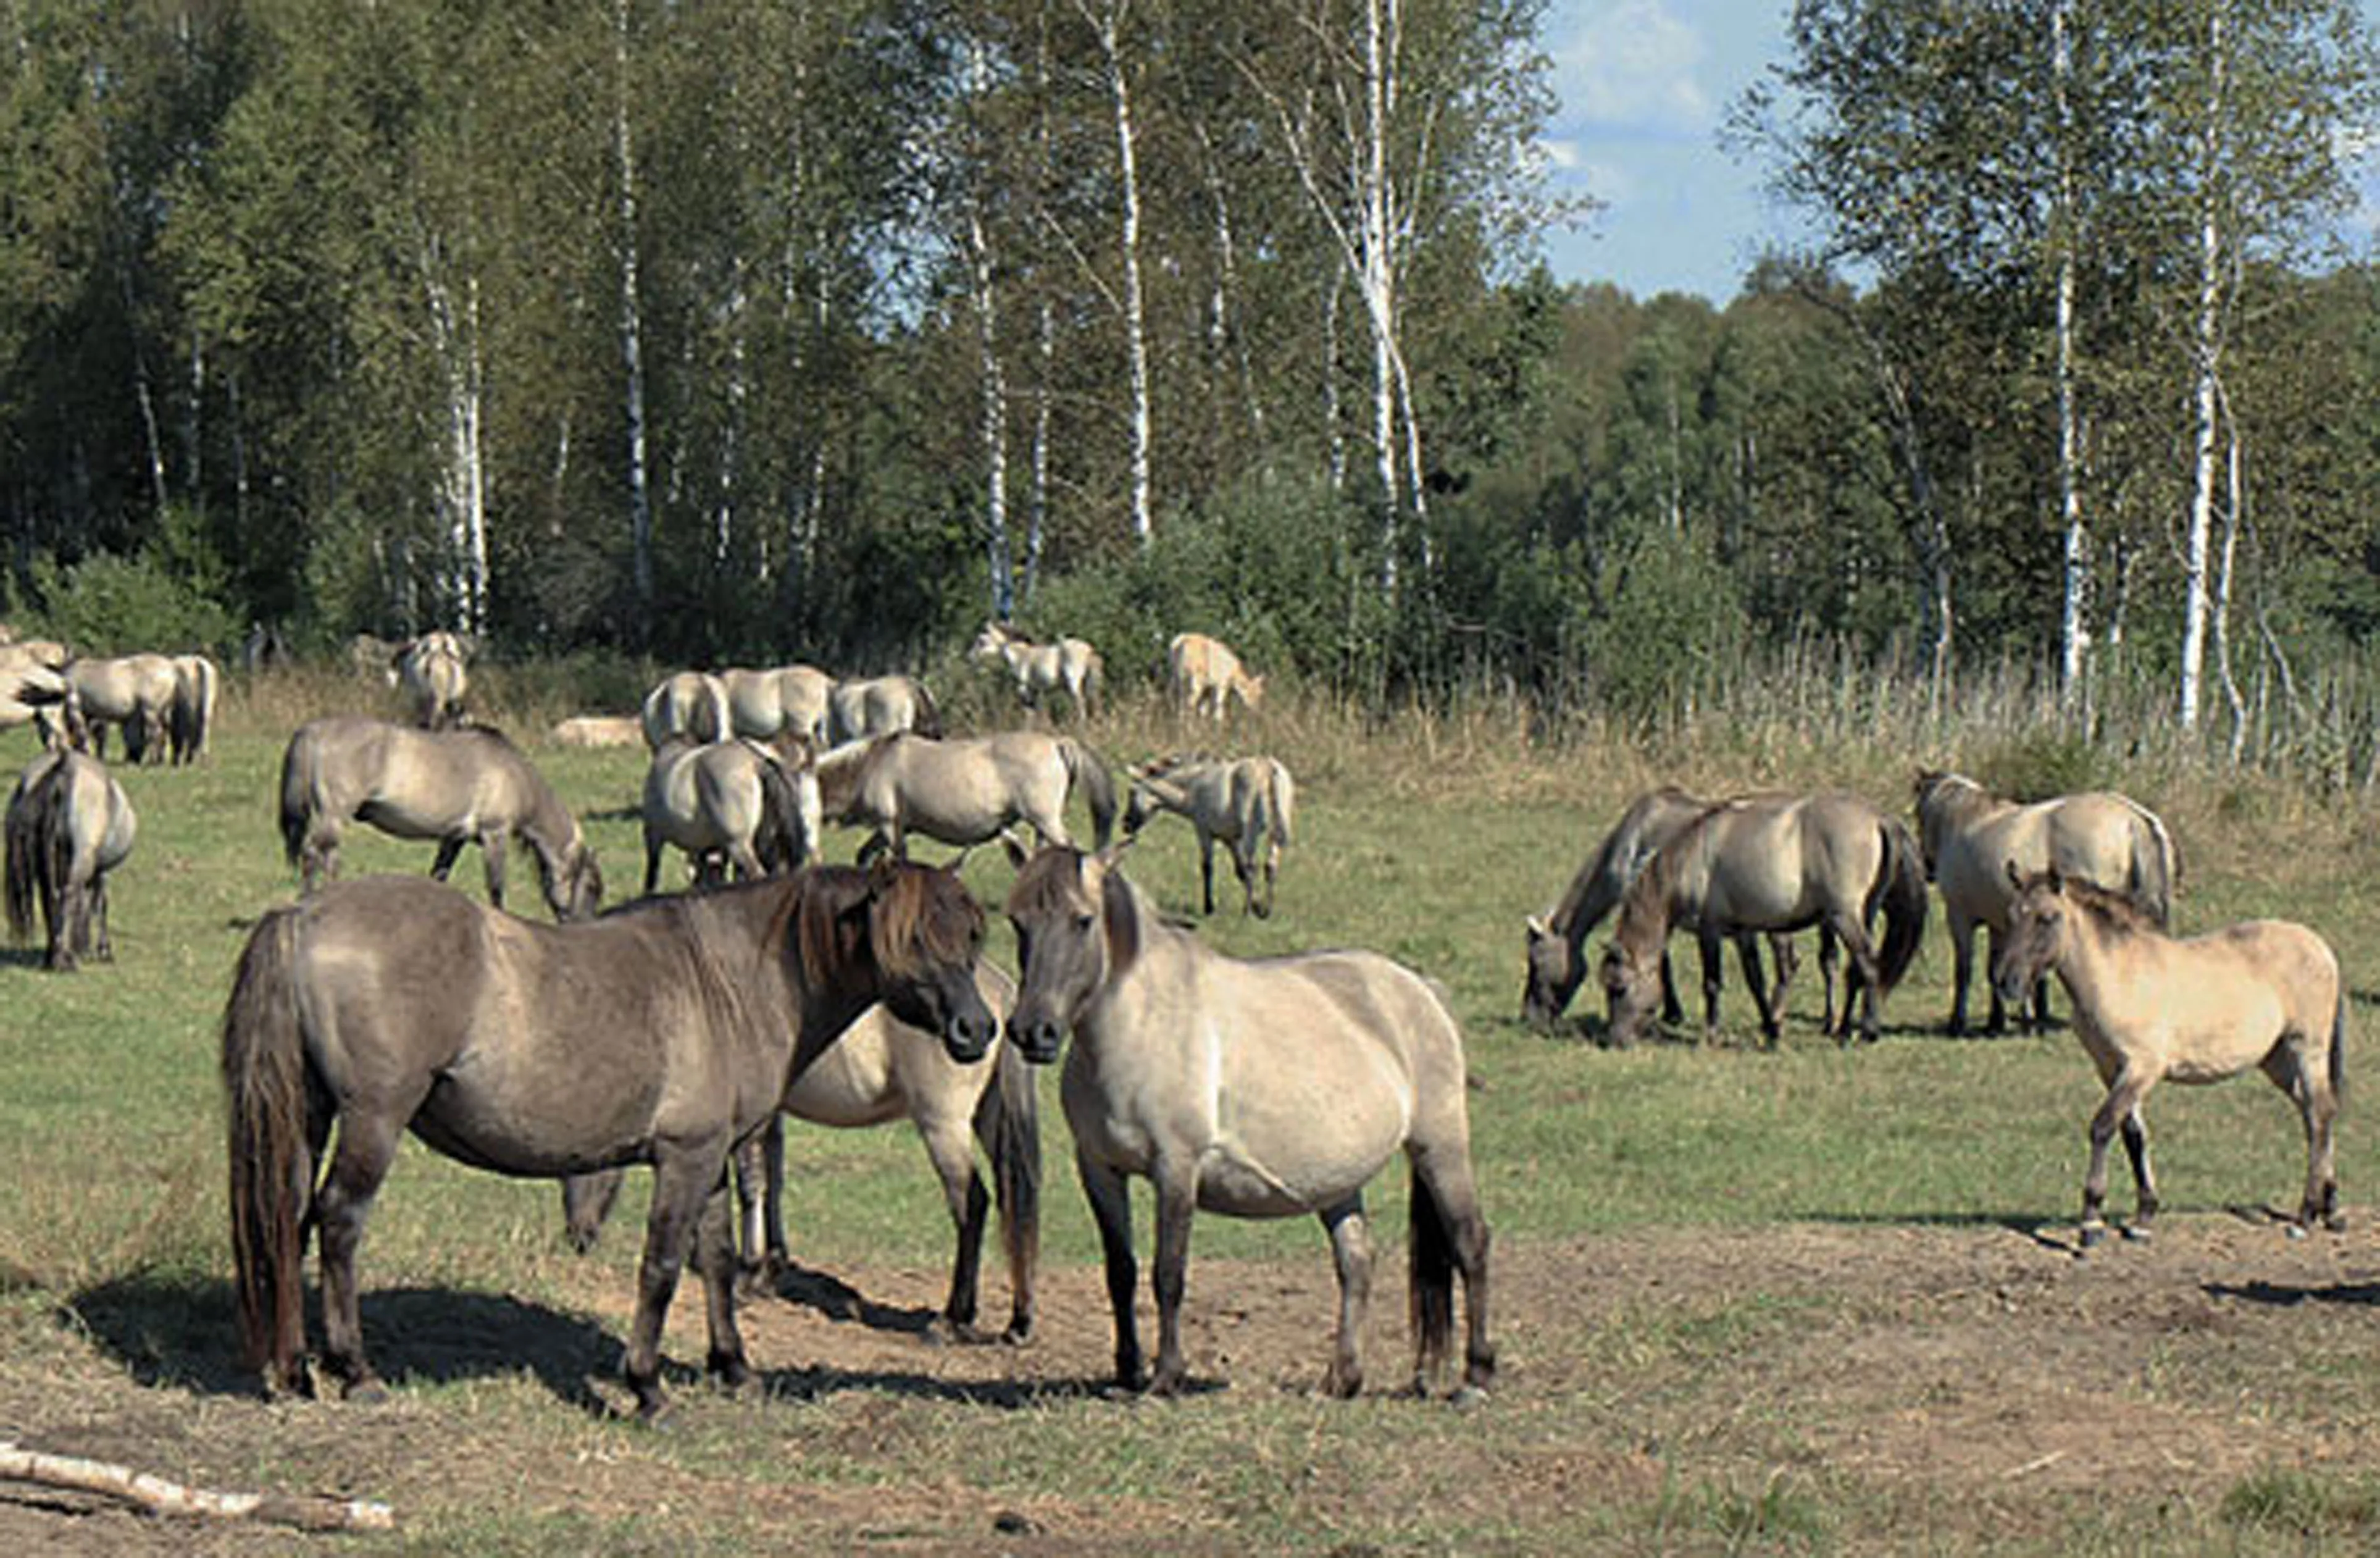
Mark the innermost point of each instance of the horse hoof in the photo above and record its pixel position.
(2335, 1223)
(2092, 1235)
(2294, 1230)
(2137, 1233)
(1468, 1396)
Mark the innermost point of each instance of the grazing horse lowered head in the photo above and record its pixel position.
(1070, 666)
(1206, 674)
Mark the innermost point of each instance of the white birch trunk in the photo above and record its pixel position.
(632, 343)
(2074, 633)
(2208, 333)
(993, 426)
(1110, 27)
(1379, 272)
(462, 494)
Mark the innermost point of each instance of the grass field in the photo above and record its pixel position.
(1682, 1226)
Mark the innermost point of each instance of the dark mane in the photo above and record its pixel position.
(917, 914)
(2118, 911)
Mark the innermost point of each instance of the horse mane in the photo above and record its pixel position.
(2118, 911)
(1050, 882)
(907, 920)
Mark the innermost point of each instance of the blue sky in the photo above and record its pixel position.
(1645, 86)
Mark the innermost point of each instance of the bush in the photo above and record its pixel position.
(109, 605)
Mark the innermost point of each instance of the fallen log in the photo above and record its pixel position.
(159, 1496)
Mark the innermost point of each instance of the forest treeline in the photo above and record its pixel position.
(720, 330)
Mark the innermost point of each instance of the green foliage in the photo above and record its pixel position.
(1673, 629)
(107, 605)
(2043, 763)
(2305, 1503)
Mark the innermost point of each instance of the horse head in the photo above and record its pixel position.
(1631, 990)
(923, 932)
(1555, 971)
(2036, 932)
(1077, 926)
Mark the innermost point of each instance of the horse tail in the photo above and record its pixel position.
(2156, 873)
(926, 720)
(720, 719)
(1091, 776)
(264, 1073)
(1429, 1277)
(2339, 1050)
(782, 840)
(26, 859)
(1281, 797)
(1901, 887)
(299, 793)
(1008, 1121)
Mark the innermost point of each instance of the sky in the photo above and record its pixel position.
(1645, 86)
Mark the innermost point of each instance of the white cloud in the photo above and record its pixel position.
(1630, 63)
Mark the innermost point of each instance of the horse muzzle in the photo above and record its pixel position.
(1037, 1039)
(967, 1036)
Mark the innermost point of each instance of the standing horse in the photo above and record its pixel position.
(866, 706)
(1246, 802)
(1206, 674)
(196, 683)
(762, 704)
(1773, 863)
(880, 1070)
(686, 706)
(1070, 666)
(965, 792)
(1263, 1089)
(730, 804)
(2265, 993)
(1556, 940)
(458, 786)
(30, 687)
(135, 691)
(431, 670)
(1973, 838)
(661, 1034)
(69, 824)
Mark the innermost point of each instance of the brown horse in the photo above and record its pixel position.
(1974, 839)
(662, 1034)
(69, 824)
(1773, 863)
(458, 786)
(2265, 993)
(1267, 1088)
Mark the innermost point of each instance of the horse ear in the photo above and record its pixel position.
(1015, 848)
(1538, 929)
(1114, 852)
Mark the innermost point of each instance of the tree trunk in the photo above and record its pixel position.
(2208, 336)
(2074, 636)
(632, 343)
(1109, 27)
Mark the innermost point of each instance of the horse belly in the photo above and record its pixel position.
(847, 1086)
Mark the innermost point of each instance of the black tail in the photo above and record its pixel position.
(782, 841)
(1901, 886)
(1429, 1279)
(1091, 776)
(1008, 1121)
(296, 795)
(272, 1163)
(2338, 1051)
(26, 859)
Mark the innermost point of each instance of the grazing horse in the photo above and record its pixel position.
(1245, 802)
(1973, 838)
(866, 706)
(135, 691)
(686, 706)
(2265, 993)
(965, 792)
(68, 825)
(1556, 940)
(763, 704)
(430, 669)
(1263, 1089)
(588, 731)
(1070, 666)
(1206, 674)
(458, 786)
(881, 1070)
(1773, 863)
(660, 1034)
(730, 804)
(196, 683)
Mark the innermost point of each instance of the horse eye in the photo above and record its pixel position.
(1083, 923)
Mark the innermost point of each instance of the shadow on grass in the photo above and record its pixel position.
(2287, 1295)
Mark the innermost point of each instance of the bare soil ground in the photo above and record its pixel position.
(1968, 1385)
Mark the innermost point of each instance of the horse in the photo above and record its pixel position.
(373, 657)
(1556, 940)
(760, 705)
(963, 792)
(192, 720)
(1773, 863)
(1246, 802)
(662, 1033)
(686, 706)
(730, 804)
(69, 823)
(1069, 665)
(462, 787)
(1263, 1089)
(2265, 993)
(866, 706)
(135, 691)
(880, 1070)
(1206, 674)
(30, 687)
(1972, 836)
(430, 669)
(589, 731)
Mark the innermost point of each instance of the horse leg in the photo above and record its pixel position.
(449, 851)
(1863, 983)
(1110, 1200)
(761, 1207)
(688, 1184)
(1996, 1021)
(1788, 961)
(714, 1258)
(1351, 1252)
(1747, 947)
(491, 851)
(586, 1201)
(2136, 1148)
(1450, 1229)
(1177, 1199)
(1962, 972)
(2124, 1094)
(652, 864)
(1243, 864)
(368, 1143)
(1207, 869)
(1672, 1009)
(1829, 961)
(2307, 1086)
(949, 1147)
(62, 906)
(102, 945)
(1711, 948)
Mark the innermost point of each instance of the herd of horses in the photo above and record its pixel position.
(680, 1030)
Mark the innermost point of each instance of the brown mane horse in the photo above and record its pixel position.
(2265, 993)
(662, 1034)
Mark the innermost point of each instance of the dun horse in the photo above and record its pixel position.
(431, 670)
(135, 691)
(729, 804)
(1773, 863)
(458, 786)
(1266, 1088)
(1070, 666)
(69, 824)
(965, 792)
(880, 1070)
(867, 706)
(1556, 940)
(1248, 803)
(2265, 993)
(1973, 838)
(192, 722)
(763, 704)
(661, 1034)
(686, 706)
(1206, 674)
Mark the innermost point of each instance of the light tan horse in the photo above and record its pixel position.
(1206, 674)
(860, 707)
(730, 805)
(30, 687)
(1248, 803)
(135, 691)
(1070, 666)
(197, 683)
(588, 731)
(1773, 863)
(762, 704)
(458, 786)
(1973, 838)
(966, 791)
(2265, 993)
(1268, 1089)
(1556, 940)
(69, 824)
(430, 671)
(686, 706)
